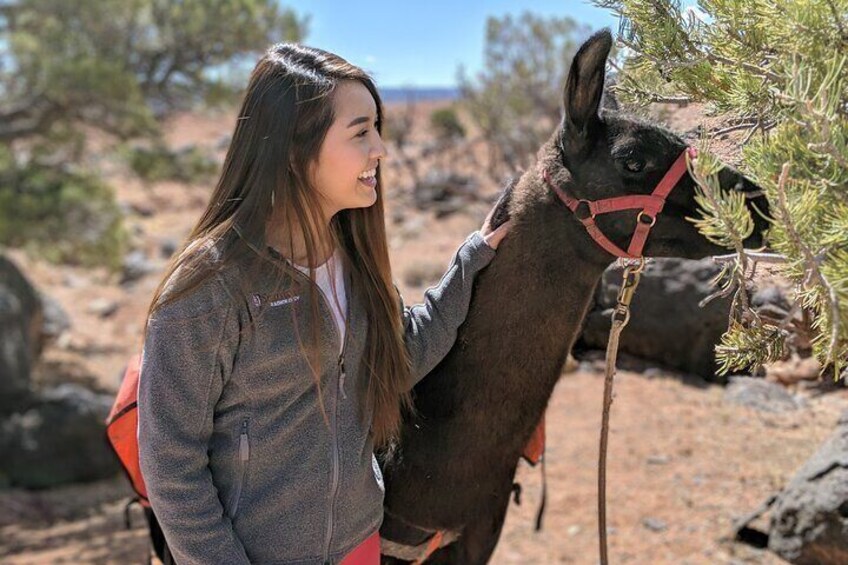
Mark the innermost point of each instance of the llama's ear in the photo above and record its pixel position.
(584, 87)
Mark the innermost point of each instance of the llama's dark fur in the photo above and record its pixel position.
(454, 464)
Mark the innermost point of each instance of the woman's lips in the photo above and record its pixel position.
(370, 182)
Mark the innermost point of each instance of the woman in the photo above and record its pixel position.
(278, 352)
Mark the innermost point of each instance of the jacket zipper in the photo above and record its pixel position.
(335, 485)
(335, 443)
(244, 457)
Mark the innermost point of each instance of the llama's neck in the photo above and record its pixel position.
(531, 301)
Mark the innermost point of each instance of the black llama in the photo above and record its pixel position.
(454, 464)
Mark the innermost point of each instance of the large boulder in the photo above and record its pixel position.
(760, 394)
(21, 322)
(57, 437)
(809, 519)
(667, 325)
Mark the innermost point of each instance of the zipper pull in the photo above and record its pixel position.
(343, 376)
(244, 444)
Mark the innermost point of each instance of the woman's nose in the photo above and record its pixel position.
(378, 150)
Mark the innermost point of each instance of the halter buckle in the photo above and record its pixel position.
(589, 212)
(621, 314)
(642, 214)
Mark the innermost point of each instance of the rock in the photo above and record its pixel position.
(87, 400)
(760, 394)
(398, 215)
(794, 369)
(658, 459)
(71, 280)
(223, 142)
(102, 307)
(167, 247)
(667, 326)
(771, 296)
(810, 516)
(144, 210)
(449, 206)
(136, 230)
(412, 228)
(445, 192)
(423, 273)
(136, 265)
(21, 323)
(58, 438)
(654, 524)
(56, 320)
(65, 341)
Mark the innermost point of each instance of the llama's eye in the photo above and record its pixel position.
(634, 165)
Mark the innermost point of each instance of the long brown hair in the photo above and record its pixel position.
(284, 118)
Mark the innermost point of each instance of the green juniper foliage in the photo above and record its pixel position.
(60, 215)
(446, 125)
(160, 162)
(778, 69)
(70, 67)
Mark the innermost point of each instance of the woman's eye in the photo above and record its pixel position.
(364, 132)
(634, 165)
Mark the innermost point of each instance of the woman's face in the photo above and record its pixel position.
(345, 171)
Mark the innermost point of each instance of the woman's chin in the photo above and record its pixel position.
(367, 197)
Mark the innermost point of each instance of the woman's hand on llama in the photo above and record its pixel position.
(493, 237)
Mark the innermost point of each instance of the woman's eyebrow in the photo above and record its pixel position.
(357, 121)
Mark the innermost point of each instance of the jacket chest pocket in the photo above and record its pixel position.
(283, 324)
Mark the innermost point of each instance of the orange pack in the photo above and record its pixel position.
(122, 428)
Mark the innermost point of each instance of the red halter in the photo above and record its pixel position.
(650, 204)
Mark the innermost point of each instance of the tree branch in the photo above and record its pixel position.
(770, 258)
(753, 69)
(650, 96)
(26, 126)
(811, 262)
(837, 19)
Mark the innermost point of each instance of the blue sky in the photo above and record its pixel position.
(422, 43)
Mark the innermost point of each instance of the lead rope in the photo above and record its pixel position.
(620, 317)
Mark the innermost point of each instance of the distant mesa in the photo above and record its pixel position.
(392, 95)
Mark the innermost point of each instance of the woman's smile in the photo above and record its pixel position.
(369, 178)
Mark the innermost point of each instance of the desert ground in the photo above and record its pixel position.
(684, 464)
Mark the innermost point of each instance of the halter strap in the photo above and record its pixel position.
(649, 206)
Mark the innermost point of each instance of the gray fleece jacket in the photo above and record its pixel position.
(240, 464)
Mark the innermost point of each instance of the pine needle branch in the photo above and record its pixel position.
(811, 262)
(646, 94)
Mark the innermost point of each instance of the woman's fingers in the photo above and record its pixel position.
(487, 223)
(494, 238)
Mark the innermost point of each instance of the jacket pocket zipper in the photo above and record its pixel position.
(342, 376)
(243, 457)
